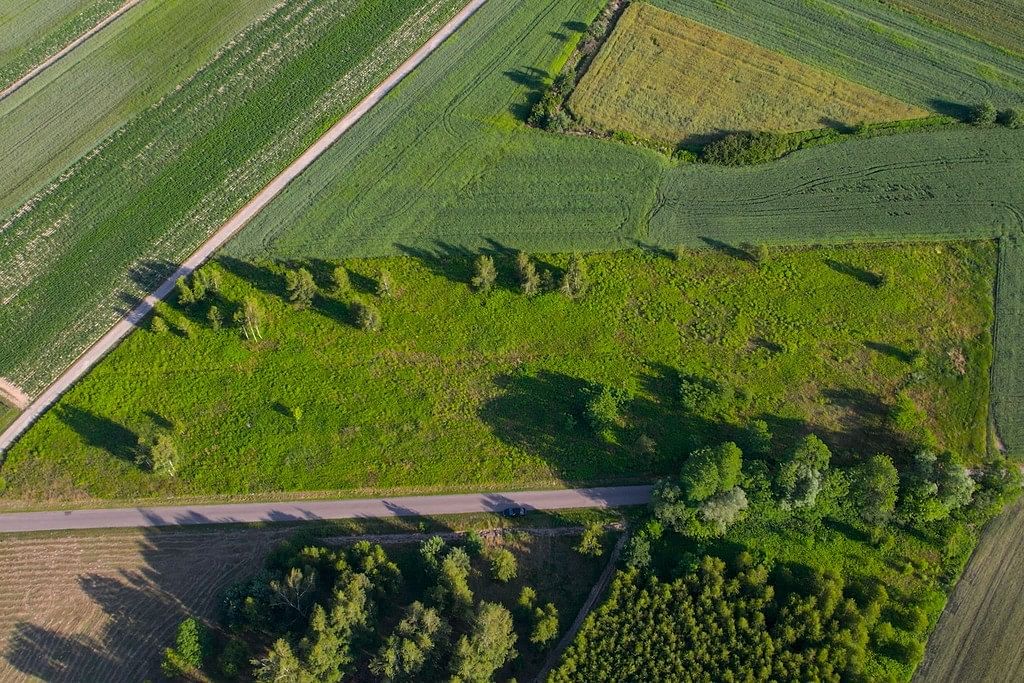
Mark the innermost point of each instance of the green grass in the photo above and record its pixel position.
(461, 391)
(30, 32)
(999, 22)
(976, 639)
(1008, 369)
(117, 74)
(665, 77)
(874, 45)
(119, 221)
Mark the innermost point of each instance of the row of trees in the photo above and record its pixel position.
(572, 282)
(315, 614)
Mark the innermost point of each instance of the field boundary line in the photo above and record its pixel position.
(64, 51)
(351, 508)
(222, 235)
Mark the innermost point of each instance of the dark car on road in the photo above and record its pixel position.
(514, 512)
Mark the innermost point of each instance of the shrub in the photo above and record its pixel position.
(158, 325)
(722, 510)
(367, 316)
(603, 407)
(590, 541)
(529, 280)
(983, 113)
(384, 288)
(185, 294)
(214, 317)
(1013, 117)
(757, 439)
(545, 624)
(574, 279)
(743, 149)
(340, 280)
(876, 485)
(503, 565)
(802, 474)
(300, 286)
(191, 647)
(474, 542)
(484, 273)
(706, 397)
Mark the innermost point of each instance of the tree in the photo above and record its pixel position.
(503, 564)
(185, 295)
(983, 113)
(590, 541)
(529, 280)
(192, 646)
(207, 278)
(301, 287)
(214, 317)
(488, 646)
(1013, 117)
(876, 484)
(758, 438)
(279, 665)
(454, 578)
(158, 325)
(328, 646)
(802, 473)
(249, 317)
(484, 273)
(340, 280)
(474, 542)
(367, 316)
(933, 486)
(384, 288)
(574, 279)
(430, 553)
(545, 624)
(164, 455)
(711, 470)
(721, 510)
(603, 407)
(419, 636)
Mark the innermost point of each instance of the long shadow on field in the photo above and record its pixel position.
(957, 110)
(101, 432)
(859, 274)
(728, 249)
(892, 351)
(259, 276)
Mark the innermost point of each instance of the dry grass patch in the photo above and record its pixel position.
(668, 78)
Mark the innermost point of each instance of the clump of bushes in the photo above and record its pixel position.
(744, 149)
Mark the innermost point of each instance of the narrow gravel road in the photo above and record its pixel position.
(43, 66)
(408, 506)
(121, 330)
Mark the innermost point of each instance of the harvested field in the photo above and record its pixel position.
(872, 44)
(67, 110)
(1000, 22)
(115, 224)
(977, 638)
(32, 30)
(102, 606)
(667, 78)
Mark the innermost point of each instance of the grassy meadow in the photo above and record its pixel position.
(664, 77)
(116, 224)
(999, 22)
(30, 32)
(65, 112)
(461, 390)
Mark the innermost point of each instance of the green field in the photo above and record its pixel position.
(1000, 22)
(664, 77)
(121, 218)
(975, 640)
(462, 391)
(31, 31)
(124, 69)
(871, 44)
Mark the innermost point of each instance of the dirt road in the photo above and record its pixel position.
(121, 330)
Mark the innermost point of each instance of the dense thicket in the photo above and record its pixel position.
(716, 625)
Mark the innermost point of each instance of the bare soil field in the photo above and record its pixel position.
(100, 607)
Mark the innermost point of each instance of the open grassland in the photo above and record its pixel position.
(976, 638)
(461, 391)
(872, 44)
(71, 107)
(118, 221)
(31, 31)
(1008, 369)
(1000, 22)
(664, 77)
(102, 605)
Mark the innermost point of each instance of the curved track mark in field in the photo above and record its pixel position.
(63, 52)
(223, 234)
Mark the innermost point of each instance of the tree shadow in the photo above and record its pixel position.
(577, 26)
(728, 249)
(892, 351)
(836, 125)
(100, 432)
(260, 276)
(535, 81)
(957, 110)
(858, 274)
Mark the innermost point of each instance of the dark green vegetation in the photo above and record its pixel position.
(117, 223)
(426, 611)
(464, 389)
(840, 564)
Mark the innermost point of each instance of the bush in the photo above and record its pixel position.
(590, 541)
(158, 325)
(983, 113)
(384, 288)
(301, 287)
(474, 542)
(603, 407)
(1013, 118)
(529, 280)
(503, 565)
(192, 646)
(744, 149)
(707, 398)
(484, 273)
(367, 316)
(545, 624)
(574, 280)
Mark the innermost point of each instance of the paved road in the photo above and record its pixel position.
(324, 509)
(121, 330)
(43, 66)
